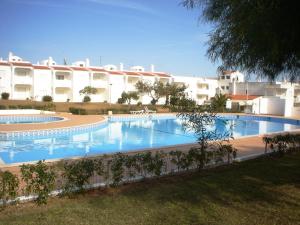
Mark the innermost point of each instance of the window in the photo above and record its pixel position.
(60, 77)
(228, 77)
(227, 87)
(222, 87)
(222, 77)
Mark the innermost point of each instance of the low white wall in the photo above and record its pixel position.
(23, 112)
(272, 105)
(296, 111)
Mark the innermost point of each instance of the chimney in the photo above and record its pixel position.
(50, 61)
(152, 68)
(10, 55)
(121, 66)
(87, 62)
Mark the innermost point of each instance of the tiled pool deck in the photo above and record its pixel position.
(247, 146)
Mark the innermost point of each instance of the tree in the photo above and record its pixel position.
(257, 36)
(218, 102)
(87, 91)
(155, 90)
(173, 90)
(127, 97)
(208, 128)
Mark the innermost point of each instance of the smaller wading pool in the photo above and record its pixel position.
(28, 119)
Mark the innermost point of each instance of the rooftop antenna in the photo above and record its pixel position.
(100, 60)
(65, 61)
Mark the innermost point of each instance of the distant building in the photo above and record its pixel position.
(24, 80)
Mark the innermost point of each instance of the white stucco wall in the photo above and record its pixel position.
(42, 83)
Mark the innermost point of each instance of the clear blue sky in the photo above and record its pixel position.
(135, 32)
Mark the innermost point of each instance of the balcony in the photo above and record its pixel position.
(99, 83)
(203, 92)
(26, 80)
(130, 87)
(63, 83)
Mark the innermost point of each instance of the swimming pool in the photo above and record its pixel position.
(28, 119)
(127, 134)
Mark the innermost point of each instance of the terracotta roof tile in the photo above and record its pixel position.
(162, 74)
(147, 74)
(131, 73)
(243, 97)
(97, 69)
(40, 67)
(61, 68)
(21, 64)
(4, 64)
(115, 72)
(79, 68)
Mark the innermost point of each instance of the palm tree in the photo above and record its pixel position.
(219, 102)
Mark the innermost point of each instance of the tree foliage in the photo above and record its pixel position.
(39, 180)
(154, 90)
(88, 90)
(257, 36)
(218, 102)
(127, 97)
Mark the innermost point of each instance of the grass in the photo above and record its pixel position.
(260, 191)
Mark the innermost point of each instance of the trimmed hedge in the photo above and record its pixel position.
(77, 111)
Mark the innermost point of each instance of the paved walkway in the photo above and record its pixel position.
(69, 121)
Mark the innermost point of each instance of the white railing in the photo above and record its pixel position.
(23, 80)
(63, 83)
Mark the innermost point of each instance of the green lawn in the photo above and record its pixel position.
(261, 191)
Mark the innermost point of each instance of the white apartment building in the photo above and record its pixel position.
(24, 80)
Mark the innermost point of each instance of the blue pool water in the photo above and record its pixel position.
(120, 136)
(28, 119)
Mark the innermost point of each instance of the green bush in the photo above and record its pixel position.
(39, 180)
(12, 107)
(25, 106)
(86, 99)
(47, 98)
(77, 174)
(2, 107)
(77, 111)
(117, 168)
(5, 95)
(9, 185)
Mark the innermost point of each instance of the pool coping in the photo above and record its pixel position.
(166, 148)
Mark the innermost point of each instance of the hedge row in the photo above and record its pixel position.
(48, 107)
(73, 176)
(282, 143)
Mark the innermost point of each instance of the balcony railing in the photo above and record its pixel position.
(63, 83)
(99, 83)
(23, 80)
(203, 92)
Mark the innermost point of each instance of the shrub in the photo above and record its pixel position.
(12, 107)
(77, 111)
(86, 99)
(39, 180)
(226, 150)
(77, 174)
(9, 185)
(181, 160)
(2, 107)
(139, 103)
(25, 106)
(117, 169)
(47, 98)
(4, 95)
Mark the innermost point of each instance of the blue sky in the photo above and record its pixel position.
(135, 32)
